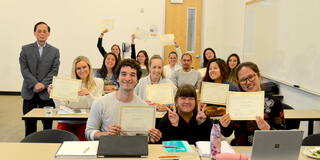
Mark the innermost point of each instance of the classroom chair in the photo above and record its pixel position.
(311, 140)
(50, 136)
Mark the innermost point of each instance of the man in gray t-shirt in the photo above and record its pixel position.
(104, 115)
(186, 75)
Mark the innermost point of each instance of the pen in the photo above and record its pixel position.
(168, 157)
(172, 147)
(86, 150)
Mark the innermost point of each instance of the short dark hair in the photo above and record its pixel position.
(130, 63)
(186, 54)
(36, 25)
(250, 65)
(187, 90)
(223, 70)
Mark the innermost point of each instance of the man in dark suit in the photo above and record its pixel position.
(39, 62)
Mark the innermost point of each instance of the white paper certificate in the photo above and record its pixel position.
(160, 93)
(202, 71)
(106, 24)
(214, 93)
(65, 89)
(245, 105)
(167, 39)
(141, 34)
(137, 119)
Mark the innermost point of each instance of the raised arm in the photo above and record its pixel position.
(133, 47)
(99, 45)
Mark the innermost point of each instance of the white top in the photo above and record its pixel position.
(84, 101)
(141, 90)
(106, 111)
(168, 71)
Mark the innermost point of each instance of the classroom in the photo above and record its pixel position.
(278, 35)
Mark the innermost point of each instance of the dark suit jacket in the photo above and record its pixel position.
(35, 69)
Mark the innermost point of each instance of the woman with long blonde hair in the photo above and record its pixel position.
(91, 88)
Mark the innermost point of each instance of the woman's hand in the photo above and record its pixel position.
(154, 135)
(262, 124)
(49, 88)
(83, 92)
(201, 116)
(159, 107)
(133, 37)
(173, 116)
(225, 120)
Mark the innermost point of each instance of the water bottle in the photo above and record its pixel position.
(215, 141)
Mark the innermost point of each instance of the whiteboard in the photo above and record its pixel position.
(74, 30)
(283, 38)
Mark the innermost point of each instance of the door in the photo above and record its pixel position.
(184, 21)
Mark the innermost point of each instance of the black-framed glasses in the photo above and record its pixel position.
(250, 78)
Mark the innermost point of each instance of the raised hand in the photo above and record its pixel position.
(133, 37)
(201, 116)
(225, 120)
(173, 116)
(105, 31)
(154, 135)
(262, 124)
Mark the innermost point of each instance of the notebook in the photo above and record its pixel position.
(123, 146)
(176, 146)
(78, 149)
(276, 145)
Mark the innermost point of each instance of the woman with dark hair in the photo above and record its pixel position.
(142, 57)
(186, 121)
(217, 72)
(249, 78)
(106, 72)
(232, 62)
(207, 55)
(114, 48)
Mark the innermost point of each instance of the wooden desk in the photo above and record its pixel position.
(47, 151)
(309, 115)
(38, 114)
(247, 150)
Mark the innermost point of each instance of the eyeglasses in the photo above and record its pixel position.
(250, 78)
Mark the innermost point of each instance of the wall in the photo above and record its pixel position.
(75, 30)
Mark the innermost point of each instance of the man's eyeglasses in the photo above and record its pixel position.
(250, 78)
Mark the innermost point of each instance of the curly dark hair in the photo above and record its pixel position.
(130, 63)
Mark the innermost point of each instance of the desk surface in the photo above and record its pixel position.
(38, 113)
(247, 150)
(302, 114)
(47, 151)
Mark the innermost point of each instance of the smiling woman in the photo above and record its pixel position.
(156, 76)
(186, 120)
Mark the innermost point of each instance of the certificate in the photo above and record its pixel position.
(214, 93)
(106, 24)
(245, 105)
(65, 89)
(167, 39)
(160, 93)
(141, 34)
(137, 119)
(202, 71)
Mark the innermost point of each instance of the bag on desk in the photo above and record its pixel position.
(213, 111)
(231, 156)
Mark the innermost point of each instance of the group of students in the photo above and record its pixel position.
(125, 80)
